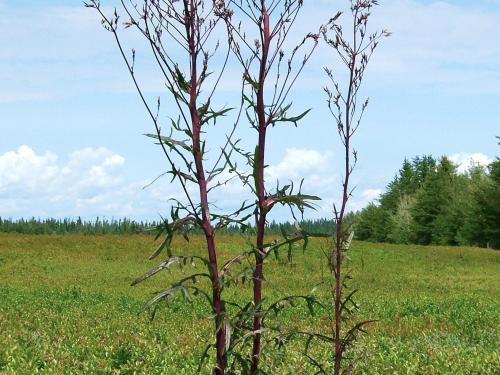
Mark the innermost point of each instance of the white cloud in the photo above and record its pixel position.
(464, 161)
(93, 182)
(355, 203)
(23, 172)
(92, 169)
(298, 163)
(320, 178)
(90, 182)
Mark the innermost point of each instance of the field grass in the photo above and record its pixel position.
(66, 307)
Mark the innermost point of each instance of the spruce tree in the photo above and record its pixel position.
(431, 200)
(489, 202)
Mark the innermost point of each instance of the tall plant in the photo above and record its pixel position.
(354, 50)
(180, 35)
(258, 31)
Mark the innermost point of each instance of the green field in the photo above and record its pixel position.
(66, 307)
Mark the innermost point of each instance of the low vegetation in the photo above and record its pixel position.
(66, 307)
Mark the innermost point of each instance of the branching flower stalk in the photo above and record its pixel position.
(170, 26)
(263, 62)
(354, 53)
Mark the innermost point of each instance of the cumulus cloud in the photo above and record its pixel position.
(357, 201)
(320, 179)
(91, 182)
(23, 172)
(297, 163)
(464, 160)
(371, 194)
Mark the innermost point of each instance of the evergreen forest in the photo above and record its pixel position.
(430, 202)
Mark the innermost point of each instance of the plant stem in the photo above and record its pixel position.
(191, 32)
(339, 234)
(261, 191)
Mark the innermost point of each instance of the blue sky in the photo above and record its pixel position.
(71, 124)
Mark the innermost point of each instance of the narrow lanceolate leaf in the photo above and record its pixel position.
(294, 119)
(297, 118)
(181, 81)
(350, 335)
(203, 358)
(154, 271)
(213, 115)
(159, 296)
(173, 90)
(180, 287)
(165, 265)
(347, 242)
(160, 247)
(186, 176)
(251, 81)
(227, 324)
(298, 200)
(349, 298)
(170, 142)
(306, 242)
(203, 109)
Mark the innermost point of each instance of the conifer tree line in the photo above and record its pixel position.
(76, 226)
(52, 226)
(430, 202)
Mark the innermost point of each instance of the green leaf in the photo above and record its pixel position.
(170, 142)
(300, 201)
(159, 249)
(213, 115)
(181, 81)
(251, 81)
(282, 116)
(203, 109)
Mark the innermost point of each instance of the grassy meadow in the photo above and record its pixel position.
(66, 307)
